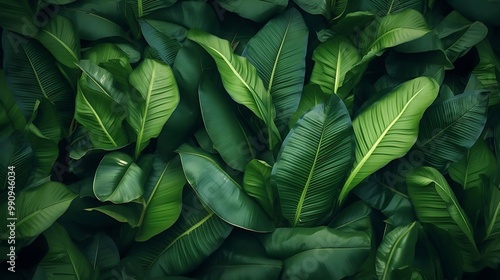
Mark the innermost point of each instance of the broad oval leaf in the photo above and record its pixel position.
(37, 209)
(241, 80)
(163, 198)
(60, 38)
(156, 101)
(64, 260)
(278, 52)
(451, 127)
(435, 203)
(119, 179)
(231, 136)
(388, 128)
(256, 10)
(181, 248)
(312, 163)
(221, 192)
(396, 251)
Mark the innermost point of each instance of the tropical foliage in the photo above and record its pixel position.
(304, 139)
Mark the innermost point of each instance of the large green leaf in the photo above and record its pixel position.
(181, 248)
(102, 254)
(241, 80)
(314, 158)
(155, 101)
(328, 8)
(64, 260)
(388, 128)
(11, 118)
(491, 193)
(334, 61)
(119, 179)
(144, 7)
(98, 108)
(37, 209)
(32, 73)
(60, 38)
(163, 198)
(17, 152)
(451, 127)
(386, 7)
(129, 213)
(101, 80)
(435, 203)
(256, 10)
(396, 251)
(278, 52)
(240, 257)
(161, 36)
(353, 218)
(45, 119)
(478, 160)
(105, 52)
(45, 152)
(257, 184)
(230, 134)
(222, 193)
(390, 31)
(487, 70)
(459, 34)
(317, 253)
(312, 95)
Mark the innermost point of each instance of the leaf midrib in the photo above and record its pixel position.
(278, 55)
(50, 206)
(69, 50)
(98, 118)
(392, 251)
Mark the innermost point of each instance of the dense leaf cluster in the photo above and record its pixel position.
(250, 139)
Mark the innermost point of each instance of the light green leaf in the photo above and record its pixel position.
(388, 128)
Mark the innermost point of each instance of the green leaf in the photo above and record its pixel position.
(17, 17)
(32, 73)
(257, 184)
(334, 61)
(124, 213)
(487, 70)
(45, 119)
(163, 198)
(409, 66)
(163, 37)
(241, 80)
(459, 34)
(144, 7)
(392, 30)
(157, 99)
(64, 260)
(435, 203)
(256, 10)
(11, 118)
(478, 160)
(181, 248)
(37, 209)
(312, 95)
(396, 251)
(59, 37)
(353, 218)
(221, 193)
(231, 136)
(388, 128)
(98, 107)
(312, 163)
(316, 7)
(105, 52)
(386, 7)
(240, 257)
(451, 127)
(491, 193)
(278, 52)
(102, 254)
(119, 179)
(329, 253)
(45, 151)
(16, 151)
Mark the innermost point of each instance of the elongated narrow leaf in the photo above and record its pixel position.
(178, 250)
(162, 36)
(257, 184)
(451, 127)
(435, 203)
(256, 10)
(478, 160)
(332, 254)
(312, 163)
(240, 79)
(64, 260)
(119, 179)
(37, 209)
(392, 30)
(32, 73)
(11, 117)
(163, 195)
(221, 192)
(278, 52)
(240, 257)
(230, 134)
(102, 254)
(334, 59)
(157, 99)
(396, 251)
(60, 38)
(388, 128)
